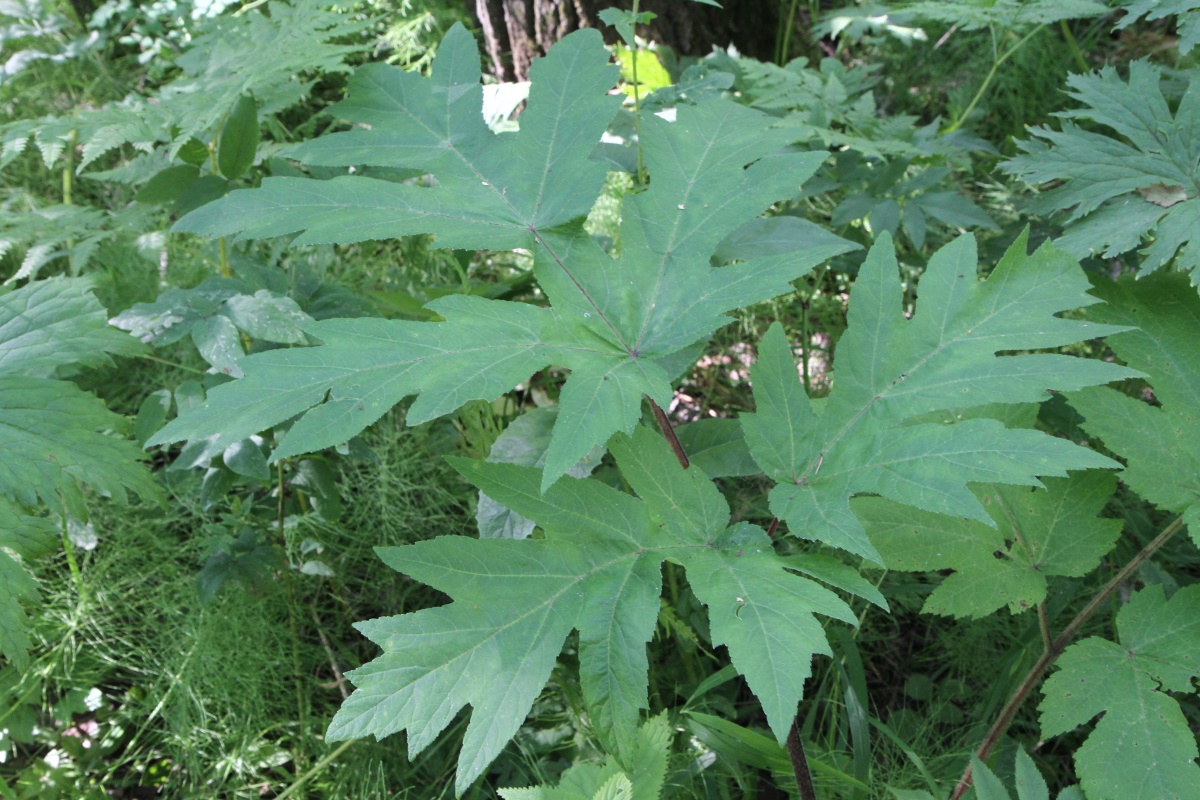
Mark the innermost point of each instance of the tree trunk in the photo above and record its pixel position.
(518, 31)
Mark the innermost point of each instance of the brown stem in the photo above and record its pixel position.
(795, 751)
(664, 424)
(1055, 649)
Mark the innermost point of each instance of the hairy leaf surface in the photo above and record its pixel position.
(614, 321)
(1160, 444)
(1143, 748)
(598, 571)
(890, 370)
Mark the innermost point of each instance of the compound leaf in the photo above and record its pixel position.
(1145, 175)
(1143, 748)
(614, 321)
(1160, 444)
(889, 370)
(598, 570)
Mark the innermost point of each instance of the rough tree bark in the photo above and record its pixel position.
(518, 31)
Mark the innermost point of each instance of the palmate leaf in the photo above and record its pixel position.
(1161, 445)
(1033, 535)
(1141, 180)
(889, 370)
(614, 321)
(598, 570)
(1143, 748)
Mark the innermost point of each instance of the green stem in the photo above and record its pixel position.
(637, 102)
(312, 773)
(297, 674)
(173, 364)
(68, 184)
(1074, 45)
(72, 564)
(988, 81)
(1056, 648)
(781, 53)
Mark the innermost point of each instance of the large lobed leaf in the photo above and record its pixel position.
(1142, 179)
(1160, 443)
(1143, 747)
(615, 322)
(598, 570)
(889, 370)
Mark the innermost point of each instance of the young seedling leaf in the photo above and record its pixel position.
(1143, 747)
(890, 370)
(615, 322)
(1160, 443)
(597, 570)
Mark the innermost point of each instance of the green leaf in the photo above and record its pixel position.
(239, 139)
(582, 781)
(1160, 444)
(168, 185)
(615, 322)
(1187, 24)
(54, 437)
(1147, 149)
(52, 323)
(525, 442)
(1031, 535)
(1004, 14)
(596, 570)
(28, 537)
(1143, 748)
(718, 447)
(625, 22)
(890, 370)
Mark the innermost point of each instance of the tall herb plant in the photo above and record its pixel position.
(924, 428)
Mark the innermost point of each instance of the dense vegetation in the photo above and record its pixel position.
(660, 427)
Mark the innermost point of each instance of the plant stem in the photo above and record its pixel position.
(72, 564)
(297, 675)
(68, 185)
(952, 127)
(781, 53)
(1056, 648)
(312, 773)
(1074, 45)
(637, 103)
(173, 364)
(668, 431)
(795, 751)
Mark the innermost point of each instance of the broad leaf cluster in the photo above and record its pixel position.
(597, 570)
(622, 322)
